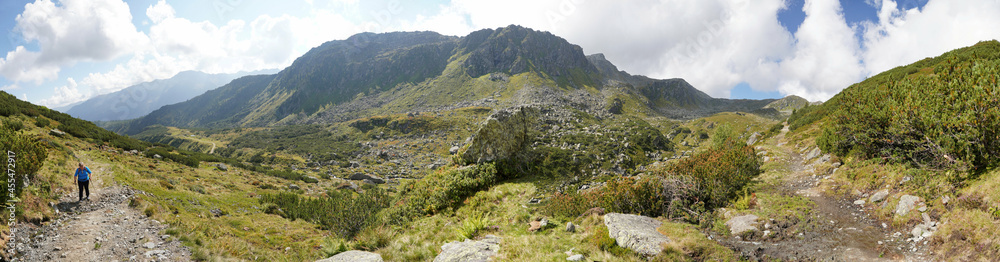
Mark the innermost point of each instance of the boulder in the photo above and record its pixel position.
(740, 224)
(753, 138)
(576, 257)
(222, 167)
(294, 187)
(879, 196)
(570, 227)
(637, 233)
(56, 132)
(503, 135)
(469, 250)
(453, 150)
(367, 178)
(906, 203)
(352, 256)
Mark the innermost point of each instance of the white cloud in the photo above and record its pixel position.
(827, 54)
(905, 37)
(75, 30)
(714, 44)
(160, 11)
(10, 87)
(179, 44)
(65, 95)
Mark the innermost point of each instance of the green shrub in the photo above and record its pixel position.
(722, 171)
(41, 122)
(937, 113)
(333, 247)
(12, 124)
(28, 154)
(472, 226)
(441, 190)
(807, 115)
(346, 214)
(622, 195)
(602, 239)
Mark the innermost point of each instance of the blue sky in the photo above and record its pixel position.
(61, 51)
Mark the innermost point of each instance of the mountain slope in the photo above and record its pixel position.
(375, 74)
(138, 100)
(928, 131)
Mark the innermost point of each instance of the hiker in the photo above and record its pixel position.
(82, 176)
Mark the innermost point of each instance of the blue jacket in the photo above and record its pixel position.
(83, 174)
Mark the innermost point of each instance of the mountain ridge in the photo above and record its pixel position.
(371, 74)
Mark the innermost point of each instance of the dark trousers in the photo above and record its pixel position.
(84, 185)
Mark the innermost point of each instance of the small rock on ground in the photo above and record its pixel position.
(906, 203)
(576, 257)
(879, 196)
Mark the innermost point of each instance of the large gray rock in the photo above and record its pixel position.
(469, 250)
(879, 196)
(354, 256)
(906, 203)
(637, 233)
(366, 177)
(753, 138)
(503, 135)
(814, 153)
(740, 224)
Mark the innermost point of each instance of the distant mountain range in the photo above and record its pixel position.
(370, 74)
(141, 99)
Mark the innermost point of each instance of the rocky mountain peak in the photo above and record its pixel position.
(515, 49)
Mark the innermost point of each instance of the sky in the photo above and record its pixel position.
(59, 52)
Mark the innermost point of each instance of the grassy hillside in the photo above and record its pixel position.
(928, 129)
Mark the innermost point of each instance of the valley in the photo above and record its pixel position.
(510, 144)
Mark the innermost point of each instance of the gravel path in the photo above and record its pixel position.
(835, 230)
(103, 228)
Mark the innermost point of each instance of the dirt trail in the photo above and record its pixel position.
(835, 230)
(103, 228)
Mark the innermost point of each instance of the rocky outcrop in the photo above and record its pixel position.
(637, 233)
(366, 178)
(469, 250)
(503, 135)
(354, 256)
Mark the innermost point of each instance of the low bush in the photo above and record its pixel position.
(440, 191)
(937, 113)
(12, 124)
(346, 214)
(623, 195)
(28, 154)
(704, 181)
